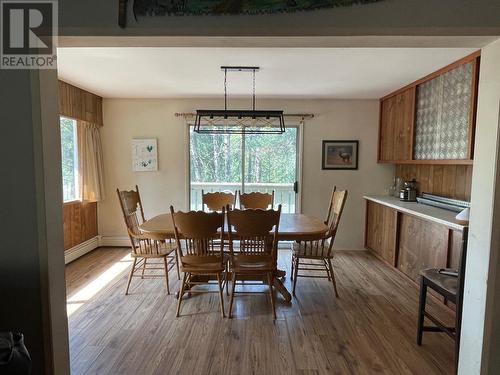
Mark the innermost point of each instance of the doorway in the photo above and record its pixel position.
(246, 162)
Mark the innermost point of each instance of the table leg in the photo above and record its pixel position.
(280, 287)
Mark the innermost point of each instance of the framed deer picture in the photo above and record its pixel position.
(340, 155)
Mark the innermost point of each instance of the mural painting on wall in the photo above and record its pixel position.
(219, 7)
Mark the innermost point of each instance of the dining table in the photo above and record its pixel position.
(292, 227)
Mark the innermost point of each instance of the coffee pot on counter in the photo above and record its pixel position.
(408, 193)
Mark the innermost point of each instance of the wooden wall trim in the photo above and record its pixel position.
(79, 104)
(429, 162)
(473, 112)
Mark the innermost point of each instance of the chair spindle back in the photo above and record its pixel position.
(256, 200)
(256, 230)
(198, 234)
(337, 204)
(217, 200)
(323, 246)
(133, 215)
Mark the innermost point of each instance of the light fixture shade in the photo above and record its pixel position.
(223, 121)
(236, 121)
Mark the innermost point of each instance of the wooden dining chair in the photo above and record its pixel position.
(217, 200)
(145, 247)
(256, 200)
(200, 247)
(317, 252)
(257, 234)
(450, 284)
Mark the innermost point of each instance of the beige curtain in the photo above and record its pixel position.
(91, 181)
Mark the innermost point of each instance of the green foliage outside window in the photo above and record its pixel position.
(269, 158)
(68, 158)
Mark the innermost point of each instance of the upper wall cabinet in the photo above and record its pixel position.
(432, 120)
(443, 118)
(397, 115)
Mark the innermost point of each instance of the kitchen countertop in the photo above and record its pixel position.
(423, 211)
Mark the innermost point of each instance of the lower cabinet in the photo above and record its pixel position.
(410, 243)
(381, 231)
(422, 244)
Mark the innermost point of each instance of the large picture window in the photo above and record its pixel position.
(245, 162)
(69, 157)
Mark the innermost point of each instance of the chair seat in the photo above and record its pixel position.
(164, 250)
(317, 251)
(249, 263)
(447, 283)
(207, 264)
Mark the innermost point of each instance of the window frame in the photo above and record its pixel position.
(299, 163)
(76, 173)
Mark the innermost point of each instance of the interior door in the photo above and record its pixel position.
(250, 162)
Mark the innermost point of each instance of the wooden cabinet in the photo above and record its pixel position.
(397, 114)
(381, 231)
(422, 244)
(410, 243)
(415, 119)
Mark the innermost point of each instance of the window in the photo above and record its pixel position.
(69, 158)
(250, 162)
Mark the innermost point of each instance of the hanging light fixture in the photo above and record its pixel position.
(239, 121)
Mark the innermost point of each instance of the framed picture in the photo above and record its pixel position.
(144, 155)
(340, 155)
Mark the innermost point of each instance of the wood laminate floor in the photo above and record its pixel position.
(370, 329)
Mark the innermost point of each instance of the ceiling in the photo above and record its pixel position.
(163, 72)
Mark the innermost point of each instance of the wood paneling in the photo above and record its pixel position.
(454, 254)
(80, 219)
(422, 245)
(79, 104)
(453, 181)
(80, 223)
(455, 249)
(397, 117)
(381, 231)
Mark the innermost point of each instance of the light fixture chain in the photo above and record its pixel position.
(253, 99)
(225, 89)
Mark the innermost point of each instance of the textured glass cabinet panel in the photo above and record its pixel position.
(443, 115)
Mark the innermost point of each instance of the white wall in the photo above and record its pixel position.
(125, 119)
(481, 329)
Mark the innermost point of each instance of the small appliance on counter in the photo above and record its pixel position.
(408, 193)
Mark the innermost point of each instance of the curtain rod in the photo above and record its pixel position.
(302, 115)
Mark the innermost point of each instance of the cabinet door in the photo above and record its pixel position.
(444, 119)
(422, 244)
(381, 231)
(396, 126)
(386, 136)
